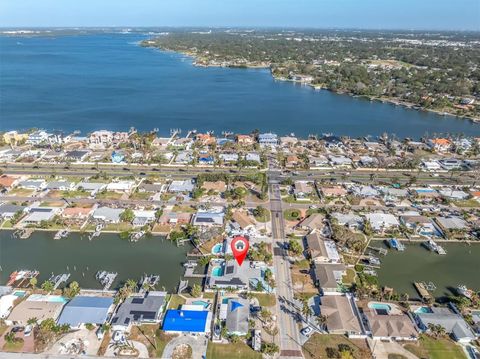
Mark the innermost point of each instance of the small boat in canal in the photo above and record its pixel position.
(434, 247)
(63, 233)
(396, 244)
(463, 290)
(135, 236)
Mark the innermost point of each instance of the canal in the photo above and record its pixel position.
(416, 264)
(83, 258)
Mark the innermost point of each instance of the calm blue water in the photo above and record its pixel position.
(107, 81)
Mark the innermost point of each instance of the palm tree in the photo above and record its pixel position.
(33, 282)
(47, 286)
(322, 321)
(32, 321)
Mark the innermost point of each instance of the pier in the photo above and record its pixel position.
(148, 282)
(106, 278)
(380, 250)
(57, 280)
(183, 285)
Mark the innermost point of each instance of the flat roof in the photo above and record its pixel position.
(185, 321)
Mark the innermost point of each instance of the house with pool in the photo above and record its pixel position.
(37, 306)
(223, 274)
(387, 321)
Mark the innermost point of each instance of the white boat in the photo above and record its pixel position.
(463, 290)
(136, 236)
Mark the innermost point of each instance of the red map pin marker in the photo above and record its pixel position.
(239, 247)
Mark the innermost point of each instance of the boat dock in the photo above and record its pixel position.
(380, 250)
(423, 289)
(22, 278)
(190, 268)
(24, 233)
(149, 282)
(135, 236)
(183, 285)
(106, 278)
(57, 280)
(63, 233)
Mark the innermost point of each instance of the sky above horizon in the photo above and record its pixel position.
(368, 14)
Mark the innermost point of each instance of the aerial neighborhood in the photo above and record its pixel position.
(345, 239)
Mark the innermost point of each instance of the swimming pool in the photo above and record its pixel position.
(201, 302)
(217, 271)
(19, 293)
(380, 308)
(423, 310)
(217, 248)
(47, 298)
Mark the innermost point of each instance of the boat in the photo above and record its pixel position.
(190, 264)
(374, 261)
(463, 290)
(434, 247)
(63, 233)
(149, 281)
(396, 244)
(135, 236)
(106, 278)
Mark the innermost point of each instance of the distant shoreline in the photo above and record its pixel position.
(393, 101)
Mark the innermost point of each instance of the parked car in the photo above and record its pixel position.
(307, 331)
(28, 330)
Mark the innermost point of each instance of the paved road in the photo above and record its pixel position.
(290, 346)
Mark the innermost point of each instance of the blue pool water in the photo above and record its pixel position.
(201, 302)
(19, 293)
(217, 248)
(217, 271)
(423, 310)
(380, 306)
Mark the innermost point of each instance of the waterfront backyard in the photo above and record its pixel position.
(416, 264)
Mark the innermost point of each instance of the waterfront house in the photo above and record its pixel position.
(431, 165)
(37, 306)
(61, 185)
(86, 309)
(440, 144)
(452, 322)
(320, 249)
(420, 225)
(328, 277)
(349, 220)
(33, 184)
(78, 213)
(181, 186)
(117, 157)
(318, 161)
(387, 322)
(7, 302)
(365, 191)
(252, 157)
(212, 217)
(245, 140)
(332, 142)
(268, 140)
(38, 137)
(37, 215)
(107, 214)
(333, 191)
(184, 157)
(169, 217)
(143, 217)
(382, 222)
(139, 309)
(13, 137)
(228, 274)
(237, 315)
(312, 222)
(191, 320)
(288, 141)
(341, 312)
(302, 190)
(450, 225)
(217, 186)
(100, 139)
(7, 210)
(205, 139)
(450, 164)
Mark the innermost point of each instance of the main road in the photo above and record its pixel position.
(290, 346)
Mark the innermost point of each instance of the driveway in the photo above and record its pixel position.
(142, 349)
(382, 349)
(80, 338)
(198, 345)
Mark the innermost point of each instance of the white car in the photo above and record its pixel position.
(307, 331)
(28, 330)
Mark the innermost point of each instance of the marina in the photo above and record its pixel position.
(417, 264)
(83, 258)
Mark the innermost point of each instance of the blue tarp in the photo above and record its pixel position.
(185, 320)
(83, 309)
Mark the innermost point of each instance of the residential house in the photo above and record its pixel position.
(349, 220)
(77, 155)
(107, 214)
(245, 140)
(7, 210)
(390, 324)
(209, 217)
(253, 157)
(420, 225)
(452, 322)
(143, 217)
(228, 274)
(302, 190)
(37, 215)
(34, 184)
(268, 140)
(139, 309)
(440, 144)
(320, 249)
(121, 186)
(92, 187)
(454, 194)
(86, 309)
(292, 161)
(381, 222)
(7, 181)
(431, 165)
(61, 185)
(205, 139)
(184, 157)
(333, 191)
(169, 217)
(229, 157)
(340, 311)
(206, 159)
(37, 306)
(37, 138)
(237, 315)
(318, 161)
(181, 186)
(328, 277)
(340, 161)
(365, 191)
(80, 213)
(450, 164)
(451, 224)
(313, 222)
(193, 320)
(243, 220)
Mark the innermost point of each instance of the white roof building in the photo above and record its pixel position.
(382, 221)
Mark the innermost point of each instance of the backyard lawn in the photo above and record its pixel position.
(292, 214)
(318, 345)
(231, 351)
(432, 348)
(265, 300)
(175, 301)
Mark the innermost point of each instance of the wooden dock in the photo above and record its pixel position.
(422, 290)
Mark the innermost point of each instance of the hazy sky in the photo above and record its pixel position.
(372, 14)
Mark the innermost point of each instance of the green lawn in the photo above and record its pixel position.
(140, 195)
(432, 348)
(316, 346)
(292, 214)
(175, 301)
(466, 203)
(108, 195)
(349, 278)
(265, 300)
(264, 218)
(231, 351)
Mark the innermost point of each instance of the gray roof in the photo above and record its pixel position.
(91, 186)
(452, 322)
(108, 214)
(58, 184)
(328, 275)
(8, 208)
(140, 309)
(83, 310)
(237, 316)
(181, 186)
